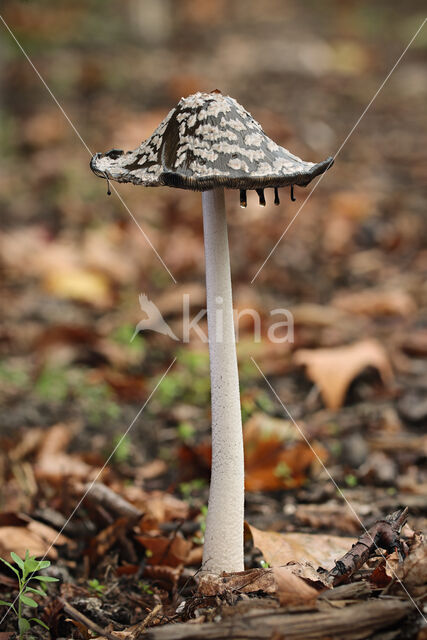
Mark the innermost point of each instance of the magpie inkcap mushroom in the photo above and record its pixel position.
(208, 142)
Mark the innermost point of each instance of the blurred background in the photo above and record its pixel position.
(351, 269)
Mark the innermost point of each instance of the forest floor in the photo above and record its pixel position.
(334, 426)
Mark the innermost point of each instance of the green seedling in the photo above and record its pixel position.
(145, 588)
(56, 385)
(96, 587)
(14, 376)
(264, 564)
(283, 471)
(186, 431)
(122, 449)
(188, 488)
(125, 337)
(202, 519)
(350, 480)
(26, 572)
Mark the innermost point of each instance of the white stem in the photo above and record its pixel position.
(223, 548)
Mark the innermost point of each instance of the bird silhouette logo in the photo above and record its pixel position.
(154, 320)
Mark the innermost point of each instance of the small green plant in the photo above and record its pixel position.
(264, 564)
(283, 471)
(96, 400)
(124, 448)
(188, 488)
(202, 519)
(186, 431)
(124, 336)
(145, 588)
(96, 587)
(14, 375)
(350, 480)
(27, 568)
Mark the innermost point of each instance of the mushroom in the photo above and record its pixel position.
(208, 142)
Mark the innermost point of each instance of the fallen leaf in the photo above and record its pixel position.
(326, 516)
(249, 581)
(291, 589)
(80, 284)
(413, 570)
(106, 538)
(333, 369)
(372, 302)
(21, 539)
(275, 457)
(157, 506)
(280, 581)
(53, 462)
(49, 534)
(279, 549)
(165, 551)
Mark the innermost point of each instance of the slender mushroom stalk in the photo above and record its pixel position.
(223, 547)
(208, 142)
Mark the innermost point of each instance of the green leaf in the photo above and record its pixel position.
(38, 591)
(43, 564)
(17, 559)
(44, 579)
(30, 565)
(6, 604)
(42, 624)
(24, 625)
(28, 601)
(11, 567)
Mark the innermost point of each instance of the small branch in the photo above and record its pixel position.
(384, 534)
(100, 494)
(144, 624)
(76, 615)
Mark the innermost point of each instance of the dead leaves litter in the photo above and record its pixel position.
(333, 369)
(279, 549)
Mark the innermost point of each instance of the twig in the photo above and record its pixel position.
(101, 494)
(384, 534)
(76, 615)
(142, 626)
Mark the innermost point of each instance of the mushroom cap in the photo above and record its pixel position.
(208, 140)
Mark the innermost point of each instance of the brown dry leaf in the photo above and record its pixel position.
(353, 205)
(106, 538)
(333, 369)
(106, 250)
(49, 534)
(326, 516)
(27, 444)
(53, 462)
(270, 461)
(316, 315)
(167, 576)
(372, 302)
(279, 549)
(61, 465)
(56, 439)
(413, 570)
(44, 129)
(165, 551)
(157, 506)
(21, 539)
(170, 302)
(80, 284)
(280, 581)
(291, 589)
(195, 556)
(243, 581)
